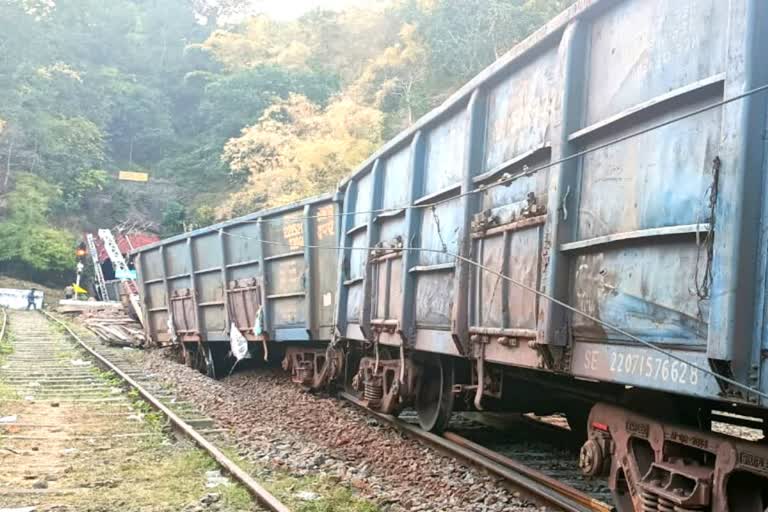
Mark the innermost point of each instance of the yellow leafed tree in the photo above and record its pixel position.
(298, 149)
(258, 41)
(392, 79)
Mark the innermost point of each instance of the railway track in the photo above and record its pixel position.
(56, 407)
(546, 471)
(549, 473)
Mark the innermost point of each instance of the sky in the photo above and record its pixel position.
(289, 9)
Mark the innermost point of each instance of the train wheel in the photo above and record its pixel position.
(199, 363)
(218, 361)
(189, 355)
(184, 355)
(194, 357)
(434, 397)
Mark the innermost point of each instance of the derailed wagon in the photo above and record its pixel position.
(266, 275)
(583, 223)
(581, 232)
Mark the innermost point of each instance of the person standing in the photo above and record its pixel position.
(31, 299)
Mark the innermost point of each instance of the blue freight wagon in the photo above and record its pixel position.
(613, 162)
(265, 275)
(582, 232)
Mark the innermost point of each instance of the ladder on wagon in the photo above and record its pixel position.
(122, 271)
(101, 285)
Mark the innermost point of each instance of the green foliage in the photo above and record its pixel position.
(174, 218)
(84, 183)
(464, 36)
(298, 149)
(27, 237)
(68, 145)
(228, 117)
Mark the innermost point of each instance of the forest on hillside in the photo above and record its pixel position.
(225, 116)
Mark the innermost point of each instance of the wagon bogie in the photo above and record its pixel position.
(656, 464)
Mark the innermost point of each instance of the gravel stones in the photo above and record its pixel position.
(279, 425)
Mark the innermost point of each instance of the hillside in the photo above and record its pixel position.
(224, 118)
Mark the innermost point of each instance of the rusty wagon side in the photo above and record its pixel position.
(613, 161)
(270, 275)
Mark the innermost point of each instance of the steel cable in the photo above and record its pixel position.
(539, 293)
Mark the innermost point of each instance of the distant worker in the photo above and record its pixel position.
(31, 299)
(69, 292)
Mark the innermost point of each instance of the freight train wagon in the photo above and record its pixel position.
(269, 275)
(602, 165)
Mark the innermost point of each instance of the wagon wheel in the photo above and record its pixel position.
(194, 357)
(201, 364)
(187, 356)
(218, 362)
(434, 397)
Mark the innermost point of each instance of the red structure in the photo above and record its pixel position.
(126, 243)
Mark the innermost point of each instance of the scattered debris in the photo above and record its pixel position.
(79, 362)
(210, 498)
(307, 496)
(108, 321)
(215, 478)
(8, 419)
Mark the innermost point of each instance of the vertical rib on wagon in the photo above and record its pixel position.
(347, 220)
(564, 183)
(413, 220)
(376, 202)
(738, 195)
(473, 156)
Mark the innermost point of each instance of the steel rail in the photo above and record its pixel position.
(263, 496)
(565, 490)
(535, 482)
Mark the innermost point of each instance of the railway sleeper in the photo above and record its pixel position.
(656, 466)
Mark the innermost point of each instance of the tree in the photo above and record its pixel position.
(298, 149)
(28, 238)
(464, 36)
(394, 81)
(247, 114)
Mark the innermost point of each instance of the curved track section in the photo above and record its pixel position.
(540, 485)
